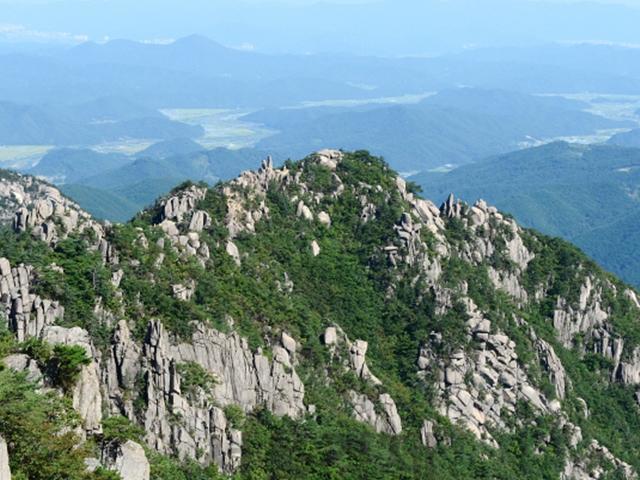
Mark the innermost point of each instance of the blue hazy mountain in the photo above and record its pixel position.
(456, 126)
(102, 120)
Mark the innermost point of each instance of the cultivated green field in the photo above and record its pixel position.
(21, 156)
(223, 128)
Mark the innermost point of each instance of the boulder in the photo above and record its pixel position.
(426, 434)
(233, 252)
(130, 461)
(324, 218)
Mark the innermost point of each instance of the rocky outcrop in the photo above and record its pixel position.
(176, 208)
(233, 252)
(553, 367)
(315, 248)
(628, 371)
(50, 216)
(509, 283)
(5, 469)
(304, 211)
(183, 292)
(410, 239)
(384, 419)
(195, 426)
(328, 158)
(338, 341)
(246, 197)
(595, 463)
(477, 388)
(128, 460)
(583, 318)
(382, 413)
(493, 233)
(86, 395)
(182, 223)
(20, 362)
(26, 313)
(427, 436)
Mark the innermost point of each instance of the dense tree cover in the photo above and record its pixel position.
(349, 285)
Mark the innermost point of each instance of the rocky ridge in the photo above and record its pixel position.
(479, 383)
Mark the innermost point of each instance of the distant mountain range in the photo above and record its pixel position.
(198, 72)
(589, 195)
(455, 126)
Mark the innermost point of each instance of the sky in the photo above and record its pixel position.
(381, 27)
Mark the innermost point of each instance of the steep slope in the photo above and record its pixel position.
(320, 321)
(561, 189)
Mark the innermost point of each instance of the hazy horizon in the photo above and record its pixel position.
(302, 26)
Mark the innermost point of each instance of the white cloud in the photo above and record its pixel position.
(20, 33)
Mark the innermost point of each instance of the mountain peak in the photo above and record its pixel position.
(326, 296)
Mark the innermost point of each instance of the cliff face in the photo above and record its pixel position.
(317, 298)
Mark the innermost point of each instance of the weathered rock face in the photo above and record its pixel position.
(182, 223)
(42, 210)
(427, 436)
(25, 312)
(23, 363)
(384, 419)
(86, 395)
(329, 158)
(246, 197)
(554, 368)
(129, 461)
(583, 318)
(589, 467)
(477, 388)
(196, 426)
(176, 208)
(381, 413)
(628, 371)
(336, 340)
(5, 469)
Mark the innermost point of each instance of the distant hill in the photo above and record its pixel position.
(453, 127)
(104, 121)
(108, 109)
(117, 194)
(169, 148)
(626, 139)
(68, 165)
(586, 194)
(102, 204)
